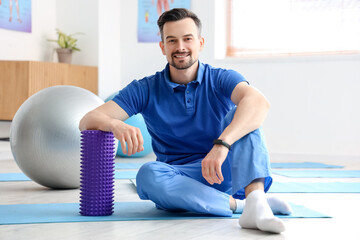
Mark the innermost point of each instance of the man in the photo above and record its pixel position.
(190, 112)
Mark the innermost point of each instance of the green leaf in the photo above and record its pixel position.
(62, 42)
(66, 41)
(72, 42)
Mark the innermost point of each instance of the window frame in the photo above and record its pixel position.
(232, 51)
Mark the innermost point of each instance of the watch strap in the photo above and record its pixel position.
(221, 142)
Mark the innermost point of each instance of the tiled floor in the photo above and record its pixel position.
(345, 209)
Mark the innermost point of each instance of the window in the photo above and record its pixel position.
(293, 27)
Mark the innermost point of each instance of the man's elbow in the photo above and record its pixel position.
(267, 104)
(83, 121)
(261, 102)
(82, 124)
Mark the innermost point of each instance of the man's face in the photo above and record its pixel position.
(181, 43)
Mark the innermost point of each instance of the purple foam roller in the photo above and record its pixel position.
(97, 173)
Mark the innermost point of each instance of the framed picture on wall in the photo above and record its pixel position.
(148, 13)
(15, 15)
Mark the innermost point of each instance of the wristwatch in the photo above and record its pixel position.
(221, 142)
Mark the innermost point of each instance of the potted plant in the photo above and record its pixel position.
(67, 44)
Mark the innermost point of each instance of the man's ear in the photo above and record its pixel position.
(161, 44)
(202, 42)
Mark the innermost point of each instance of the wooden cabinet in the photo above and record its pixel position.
(21, 79)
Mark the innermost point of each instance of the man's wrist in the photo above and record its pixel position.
(221, 142)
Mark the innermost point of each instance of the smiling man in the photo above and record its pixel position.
(205, 125)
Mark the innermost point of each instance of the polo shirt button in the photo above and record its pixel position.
(188, 101)
(187, 91)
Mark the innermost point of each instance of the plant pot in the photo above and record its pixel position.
(64, 55)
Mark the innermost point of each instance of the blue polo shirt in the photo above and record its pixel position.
(182, 120)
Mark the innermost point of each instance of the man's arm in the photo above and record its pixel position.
(110, 117)
(252, 108)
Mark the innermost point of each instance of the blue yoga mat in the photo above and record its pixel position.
(13, 177)
(17, 177)
(125, 174)
(133, 165)
(315, 187)
(273, 165)
(123, 211)
(303, 165)
(318, 173)
(309, 187)
(137, 165)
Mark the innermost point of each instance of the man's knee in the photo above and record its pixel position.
(151, 178)
(145, 178)
(254, 141)
(146, 173)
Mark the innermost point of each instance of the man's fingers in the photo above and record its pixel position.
(135, 144)
(123, 145)
(213, 176)
(219, 173)
(210, 175)
(211, 165)
(205, 173)
(141, 141)
(131, 141)
(129, 145)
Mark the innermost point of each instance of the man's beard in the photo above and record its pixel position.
(182, 64)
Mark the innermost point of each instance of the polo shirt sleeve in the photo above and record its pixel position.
(228, 81)
(133, 97)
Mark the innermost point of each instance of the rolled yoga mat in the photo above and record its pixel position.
(97, 173)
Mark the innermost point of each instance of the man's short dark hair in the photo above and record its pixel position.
(177, 14)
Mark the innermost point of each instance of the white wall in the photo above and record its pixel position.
(69, 16)
(110, 38)
(33, 46)
(315, 100)
(99, 21)
(137, 59)
(80, 16)
(315, 103)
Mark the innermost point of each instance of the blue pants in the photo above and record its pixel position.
(183, 188)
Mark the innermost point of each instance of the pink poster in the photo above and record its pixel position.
(148, 13)
(15, 15)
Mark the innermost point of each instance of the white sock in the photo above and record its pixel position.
(257, 214)
(277, 205)
(239, 205)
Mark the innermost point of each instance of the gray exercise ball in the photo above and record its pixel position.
(45, 135)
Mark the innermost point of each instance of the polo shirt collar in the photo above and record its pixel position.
(171, 85)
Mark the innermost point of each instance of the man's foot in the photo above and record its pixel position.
(10, 19)
(257, 214)
(277, 205)
(19, 20)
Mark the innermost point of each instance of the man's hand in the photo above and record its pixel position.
(211, 164)
(129, 135)
(110, 117)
